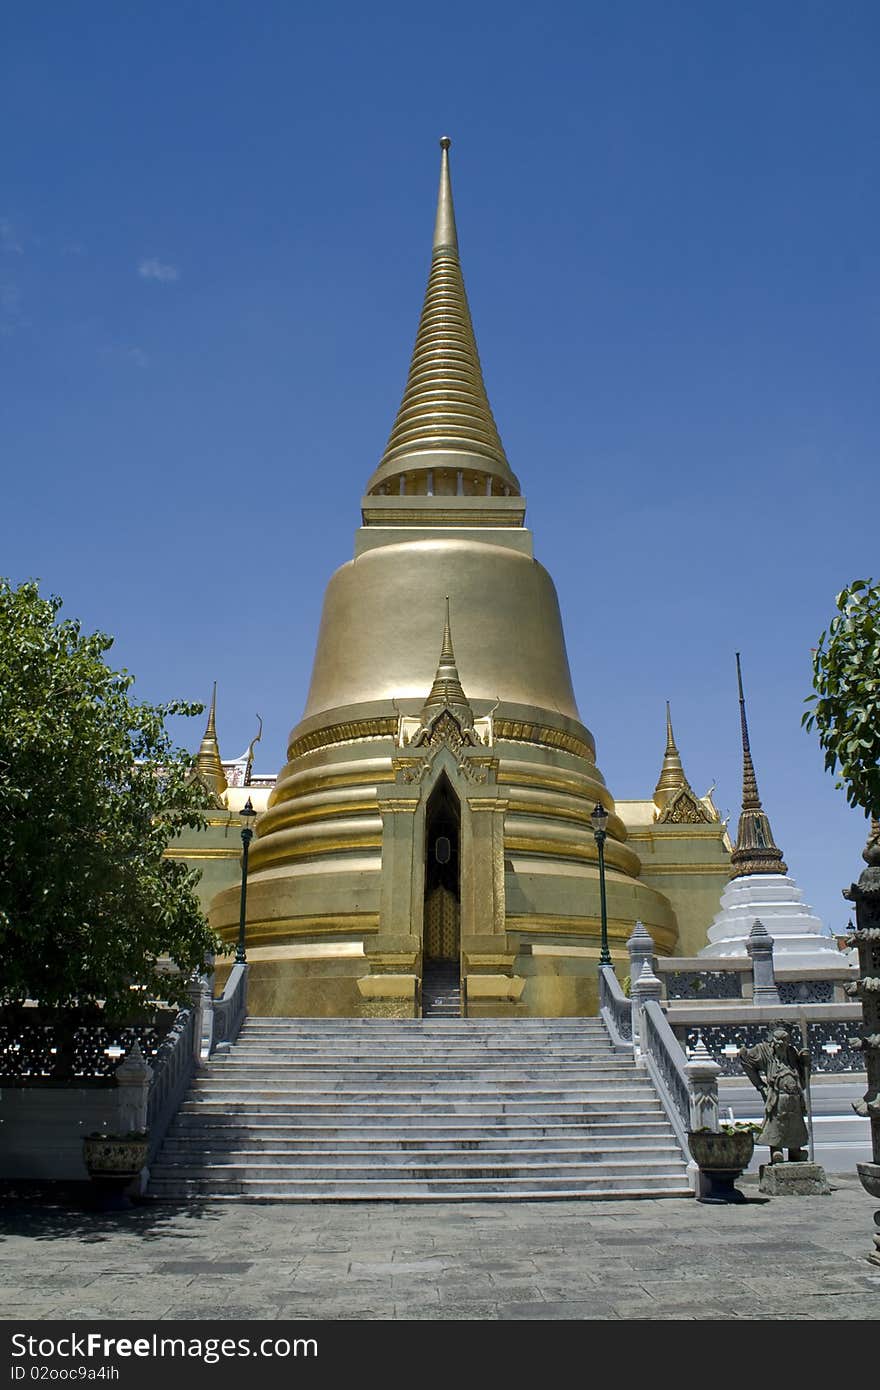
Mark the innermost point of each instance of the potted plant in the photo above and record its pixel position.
(721, 1157)
(114, 1163)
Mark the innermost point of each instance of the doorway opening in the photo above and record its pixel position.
(441, 945)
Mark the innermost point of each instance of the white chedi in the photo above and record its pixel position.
(800, 941)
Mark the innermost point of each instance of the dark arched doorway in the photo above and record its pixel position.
(441, 945)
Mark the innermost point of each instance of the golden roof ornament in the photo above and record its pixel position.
(756, 852)
(445, 422)
(209, 768)
(672, 773)
(676, 801)
(446, 693)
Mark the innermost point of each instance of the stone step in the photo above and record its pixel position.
(450, 1029)
(439, 1109)
(618, 1186)
(405, 1074)
(415, 1027)
(405, 1124)
(224, 1128)
(467, 1151)
(476, 1082)
(605, 1099)
(434, 1059)
(466, 1050)
(438, 1033)
(352, 1113)
(645, 1165)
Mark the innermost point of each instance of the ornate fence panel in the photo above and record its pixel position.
(830, 1042)
(38, 1050)
(703, 984)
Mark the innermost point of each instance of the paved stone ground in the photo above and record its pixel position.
(787, 1258)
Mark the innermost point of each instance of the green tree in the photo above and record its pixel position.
(846, 698)
(92, 791)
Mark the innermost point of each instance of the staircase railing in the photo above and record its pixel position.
(173, 1069)
(615, 1008)
(230, 1010)
(665, 1062)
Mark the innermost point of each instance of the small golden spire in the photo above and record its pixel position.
(447, 691)
(672, 777)
(674, 797)
(209, 768)
(211, 727)
(756, 851)
(445, 422)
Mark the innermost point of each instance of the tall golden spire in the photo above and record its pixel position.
(756, 851)
(672, 776)
(445, 423)
(209, 768)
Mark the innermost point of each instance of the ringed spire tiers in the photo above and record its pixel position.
(674, 797)
(446, 691)
(209, 768)
(760, 887)
(672, 773)
(756, 851)
(445, 440)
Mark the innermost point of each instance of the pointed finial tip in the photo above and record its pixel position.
(445, 142)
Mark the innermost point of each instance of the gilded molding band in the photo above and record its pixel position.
(511, 730)
(348, 732)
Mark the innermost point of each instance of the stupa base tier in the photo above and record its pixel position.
(500, 977)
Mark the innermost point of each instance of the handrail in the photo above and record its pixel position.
(173, 1070)
(230, 1010)
(665, 1062)
(615, 1008)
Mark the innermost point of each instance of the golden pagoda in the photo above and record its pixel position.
(434, 811)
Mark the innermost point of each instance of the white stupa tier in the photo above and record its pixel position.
(800, 941)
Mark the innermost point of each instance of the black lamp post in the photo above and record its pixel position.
(247, 834)
(599, 817)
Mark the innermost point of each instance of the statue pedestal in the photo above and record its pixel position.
(793, 1180)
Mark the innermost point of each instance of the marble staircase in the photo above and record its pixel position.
(420, 1109)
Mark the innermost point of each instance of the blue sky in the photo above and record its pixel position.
(215, 225)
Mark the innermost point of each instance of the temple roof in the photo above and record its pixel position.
(445, 420)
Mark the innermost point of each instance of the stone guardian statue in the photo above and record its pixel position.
(780, 1071)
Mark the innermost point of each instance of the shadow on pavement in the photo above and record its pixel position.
(49, 1211)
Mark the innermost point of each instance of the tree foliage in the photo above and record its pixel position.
(846, 698)
(92, 790)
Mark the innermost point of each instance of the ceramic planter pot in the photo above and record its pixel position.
(114, 1163)
(721, 1158)
(869, 1176)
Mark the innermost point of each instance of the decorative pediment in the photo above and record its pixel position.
(446, 719)
(472, 763)
(446, 728)
(684, 808)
